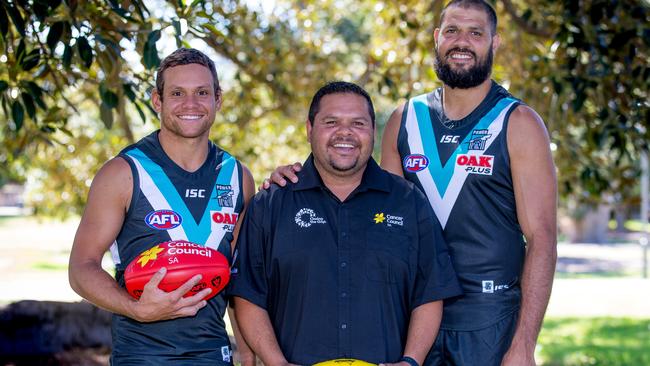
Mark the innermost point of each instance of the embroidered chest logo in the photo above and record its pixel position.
(224, 195)
(305, 217)
(390, 220)
(163, 219)
(478, 140)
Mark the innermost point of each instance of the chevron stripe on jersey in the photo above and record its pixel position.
(442, 183)
(164, 196)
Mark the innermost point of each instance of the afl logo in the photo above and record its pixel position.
(163, 219)
(415, 162)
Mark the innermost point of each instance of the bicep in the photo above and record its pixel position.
(533, 173)
(390, 159)
(104, 213)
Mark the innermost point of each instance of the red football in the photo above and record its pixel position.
(183, 260)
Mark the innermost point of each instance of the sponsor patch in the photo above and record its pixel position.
(476, 164)
(415, 162)
(305, 217)
(224, 219)
(163, 219)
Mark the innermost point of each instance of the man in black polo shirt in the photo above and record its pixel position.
(341, 264)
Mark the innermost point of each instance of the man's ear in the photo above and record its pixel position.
(309, 127)
(156, 100)
(218, 101)
(435, 37)
(496, 42)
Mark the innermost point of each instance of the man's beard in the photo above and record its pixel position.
(464, 79)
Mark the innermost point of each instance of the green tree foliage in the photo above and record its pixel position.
(75, 75)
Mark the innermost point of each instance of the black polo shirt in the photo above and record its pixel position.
(340, 279)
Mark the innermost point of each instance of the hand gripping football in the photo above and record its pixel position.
(183, 260)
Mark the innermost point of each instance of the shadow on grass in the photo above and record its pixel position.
(594, 341)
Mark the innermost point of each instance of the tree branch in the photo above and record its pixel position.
(522, 23)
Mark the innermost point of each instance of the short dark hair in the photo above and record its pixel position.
(478, 4)
(186, 56)
(336, 87)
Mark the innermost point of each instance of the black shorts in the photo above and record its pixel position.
(483, 347)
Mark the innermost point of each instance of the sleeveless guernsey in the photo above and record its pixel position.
(169, 203)
(464, 168)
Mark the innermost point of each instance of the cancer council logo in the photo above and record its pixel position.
(163, 219)
(415, 162)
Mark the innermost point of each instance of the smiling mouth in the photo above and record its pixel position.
(190, 117)
(343, 147)
(460, 54)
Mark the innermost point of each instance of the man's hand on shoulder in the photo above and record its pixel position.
(281, 174)
(156, 304)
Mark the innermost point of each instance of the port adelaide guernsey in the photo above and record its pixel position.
(464, 169)
(169, 203)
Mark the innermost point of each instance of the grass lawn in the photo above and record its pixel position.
(594, 341)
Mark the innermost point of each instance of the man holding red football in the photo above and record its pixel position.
(482, 158)
(168, 186)
(349, 262)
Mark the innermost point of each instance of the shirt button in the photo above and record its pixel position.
(344, 326)
(344, 234)
(344, 294)
(343, 264)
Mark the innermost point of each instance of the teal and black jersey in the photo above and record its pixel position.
(169, 203)
(463, 167)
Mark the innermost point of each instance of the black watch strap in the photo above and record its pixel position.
(410, 360)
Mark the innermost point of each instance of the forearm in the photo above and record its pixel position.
(536, 284)
(423, 329)
(255, 325)
(244, 351)
(94, 284)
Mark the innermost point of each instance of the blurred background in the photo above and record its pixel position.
(75, 81)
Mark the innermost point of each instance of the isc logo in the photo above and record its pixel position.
(449, 139)
(224, 218)
(163, 219)
(195, 193)
(476, 164)
(415, 163)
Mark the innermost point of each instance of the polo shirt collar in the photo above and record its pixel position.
(373, 177)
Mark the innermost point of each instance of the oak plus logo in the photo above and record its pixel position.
(476, 164)
(224, 220)
(305, 217)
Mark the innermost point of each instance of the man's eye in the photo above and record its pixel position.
(176, 94)
(203, 92)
